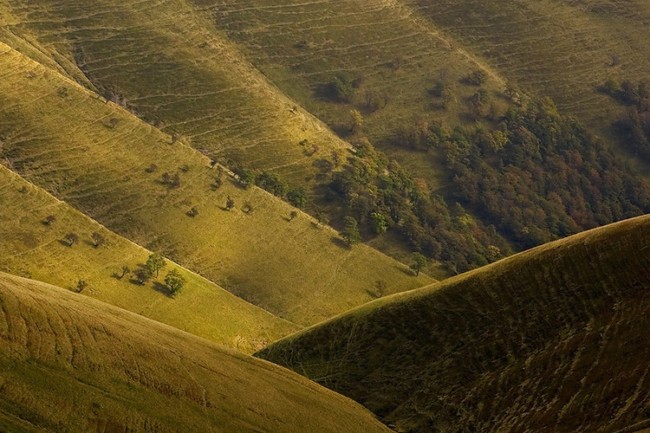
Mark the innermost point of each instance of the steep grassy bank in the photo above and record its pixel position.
(551, 339)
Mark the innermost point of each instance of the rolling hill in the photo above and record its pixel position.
(552, 339)
(166, 61)
(38, 250)
(102, 160)
(70, 363)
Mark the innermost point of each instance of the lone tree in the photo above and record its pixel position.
(351, 233)
(71, 239)
(98, 239)
(155, 263)
(230, 203)
(293, 215)
(125, 270)
(174, 282)
(356, 120)
(419, 262)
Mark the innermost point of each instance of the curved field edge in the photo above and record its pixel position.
(552, 338)
(70, 363)
(35, 249)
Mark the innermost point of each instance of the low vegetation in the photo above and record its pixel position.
(550, 339)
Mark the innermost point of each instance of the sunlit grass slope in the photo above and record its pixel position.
(108, 164)
(30, 248)
(391, 53)
(72, 364)
(553, 339)
(393, 58)
(169, 64)
(559, 48)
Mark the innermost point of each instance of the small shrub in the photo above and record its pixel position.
(193, 212)
(476, 78)
(98, 239)
(247, 208)
(230, 203)
(71, 238)
(49, 220)
(151, 169)
(81, 285)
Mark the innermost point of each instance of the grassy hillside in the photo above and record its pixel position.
(393, 58)
(168, 63)
(553, 339)
(108, 164)
(35, 250)
(73, 364)
(559, 48)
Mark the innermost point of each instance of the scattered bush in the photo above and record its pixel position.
(174, 282)
(49, 220)
(81, 285)
(247, 208)
(193, 212)
(71, 238)
(98, 239)
(230, 203)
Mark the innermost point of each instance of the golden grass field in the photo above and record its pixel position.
(35, 250)
(70, 363)
(295, 269)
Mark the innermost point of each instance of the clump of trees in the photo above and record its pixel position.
(536, 177)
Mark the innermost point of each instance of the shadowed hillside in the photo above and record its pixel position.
(73, 364)
(564, 49)
(34, 227)
(553, 339)
(166, 197)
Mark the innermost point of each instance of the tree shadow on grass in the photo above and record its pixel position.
(161, 288)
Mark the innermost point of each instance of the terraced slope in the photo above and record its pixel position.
(32, 249)
(70, 363)
(553, 339)
(105, 162)
(168, 63)
(559, 48)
